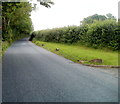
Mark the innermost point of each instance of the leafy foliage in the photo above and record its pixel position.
(46, 3)
(93, 18)
(98, 34)
(16, 20)
(105, 34)
(110, 16)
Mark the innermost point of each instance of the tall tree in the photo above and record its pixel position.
(91, 19)
(110, 16)
(16, 19)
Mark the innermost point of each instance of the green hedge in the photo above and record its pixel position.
(103, 34)
(69, 34)
(99, 34)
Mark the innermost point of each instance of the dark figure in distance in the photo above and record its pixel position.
(31, 37)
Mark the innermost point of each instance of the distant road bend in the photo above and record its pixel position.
(33, 74)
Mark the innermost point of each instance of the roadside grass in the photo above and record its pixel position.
(5, 46)
(76, 52)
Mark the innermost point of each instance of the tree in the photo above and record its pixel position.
(46, 3)
(91, 19)
(110, 16)
(16, 19)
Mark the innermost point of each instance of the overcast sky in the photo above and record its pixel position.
(71, 12)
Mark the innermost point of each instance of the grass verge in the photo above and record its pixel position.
(77, 52)
(5, 46)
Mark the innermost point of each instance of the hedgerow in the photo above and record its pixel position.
(98, 34)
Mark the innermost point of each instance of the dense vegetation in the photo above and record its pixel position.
(16, 22)
(96, 17)
(100, 33)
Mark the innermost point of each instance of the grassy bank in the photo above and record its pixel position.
(5, 45)
(100, 34)
(77, 52)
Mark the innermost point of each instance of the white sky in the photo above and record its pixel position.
(71, 12)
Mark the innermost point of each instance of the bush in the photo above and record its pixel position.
(97, 35)
(103, 34)
(5, 45)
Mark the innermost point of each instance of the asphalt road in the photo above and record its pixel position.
(33, 74)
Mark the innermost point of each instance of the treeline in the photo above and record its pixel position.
(95, 33)
(16, 21)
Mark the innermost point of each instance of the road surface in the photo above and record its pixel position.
(33, 74)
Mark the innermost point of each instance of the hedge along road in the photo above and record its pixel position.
(33, 74)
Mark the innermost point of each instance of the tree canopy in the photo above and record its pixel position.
(16, 19)
(110, 16)
(46, 3)
(96, 17)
